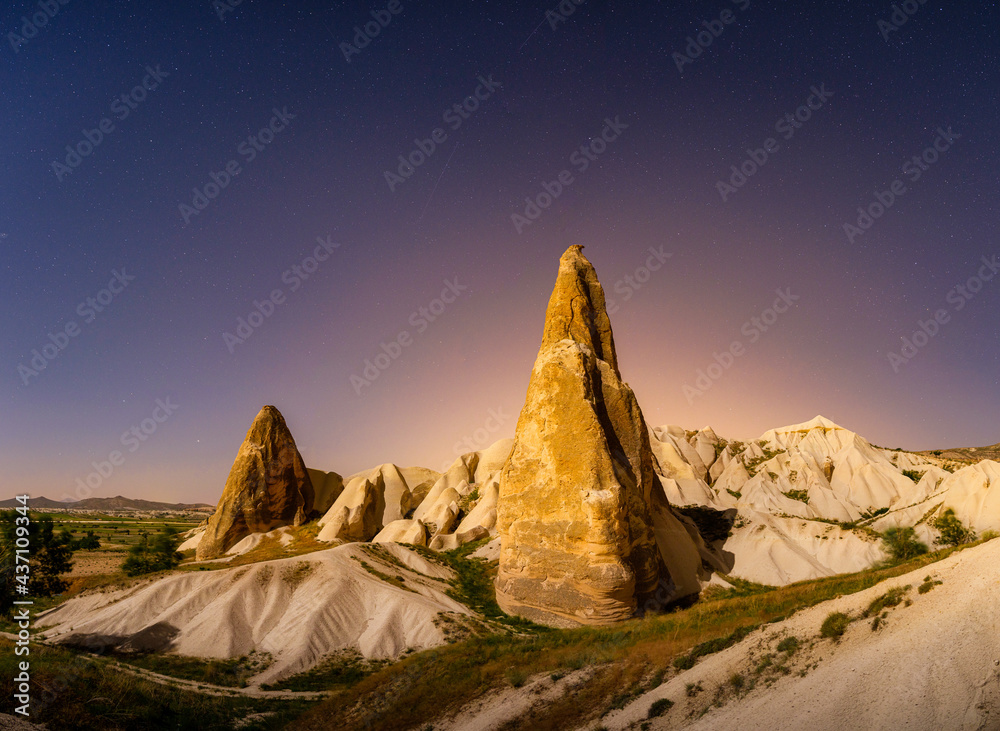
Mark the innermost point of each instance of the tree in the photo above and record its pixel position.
(49, 556)
(953, 533)
(147, 556)
(902, 543)
(90, 542)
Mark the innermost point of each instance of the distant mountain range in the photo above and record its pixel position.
(103, 503)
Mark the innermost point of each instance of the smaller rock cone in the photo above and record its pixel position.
(268, 487)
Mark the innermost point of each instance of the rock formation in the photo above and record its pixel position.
(268, 487)
(578, 492)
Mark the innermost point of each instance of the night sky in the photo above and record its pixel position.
(263, 154)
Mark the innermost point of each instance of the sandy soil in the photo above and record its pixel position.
(933, 664)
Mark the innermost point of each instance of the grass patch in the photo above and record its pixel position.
(789, 645)
(473, 584)
(835, 625)
(801, 495)
(233, 673)
(892, 598)
(79, 692)
(659, 707)
(304, 540)
(413, 691)
(340, 671)
(398, 581)
(928, 584)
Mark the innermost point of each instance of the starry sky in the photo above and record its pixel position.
(355, 213)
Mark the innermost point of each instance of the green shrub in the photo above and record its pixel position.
(789, 645)
(913, 475)
(928, 584)
(684, 662)
(147, 556)
(800, 495)
(953, 533)
(902, 543)
(516, 677)
(835, 625)
(737, 681)
(659, 707)
(893, 597)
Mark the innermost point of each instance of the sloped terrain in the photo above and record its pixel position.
(377, 600)
(922, 652)
(810, 497)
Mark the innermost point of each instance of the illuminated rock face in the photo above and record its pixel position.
(268, 487)
(577, 498)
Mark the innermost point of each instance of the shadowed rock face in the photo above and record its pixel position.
(268, 487)
(575, 513)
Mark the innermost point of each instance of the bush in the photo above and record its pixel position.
(953, 533)
(789, 645)
(913, 475)
(928, 584)
(89, 543)
(50, 555)
(892, 598)
(684, 662)
(835, 625)
(658, 708)
(147, 556)
(902, 543)
(516, 677)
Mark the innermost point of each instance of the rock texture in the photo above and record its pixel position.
(268, 487)
(577, 492)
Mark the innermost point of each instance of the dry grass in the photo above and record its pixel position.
(420, 688)
(303, 541)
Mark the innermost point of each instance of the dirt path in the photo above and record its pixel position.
(251, 691)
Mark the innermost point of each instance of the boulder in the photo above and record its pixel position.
(403, 531)
(354, 516)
